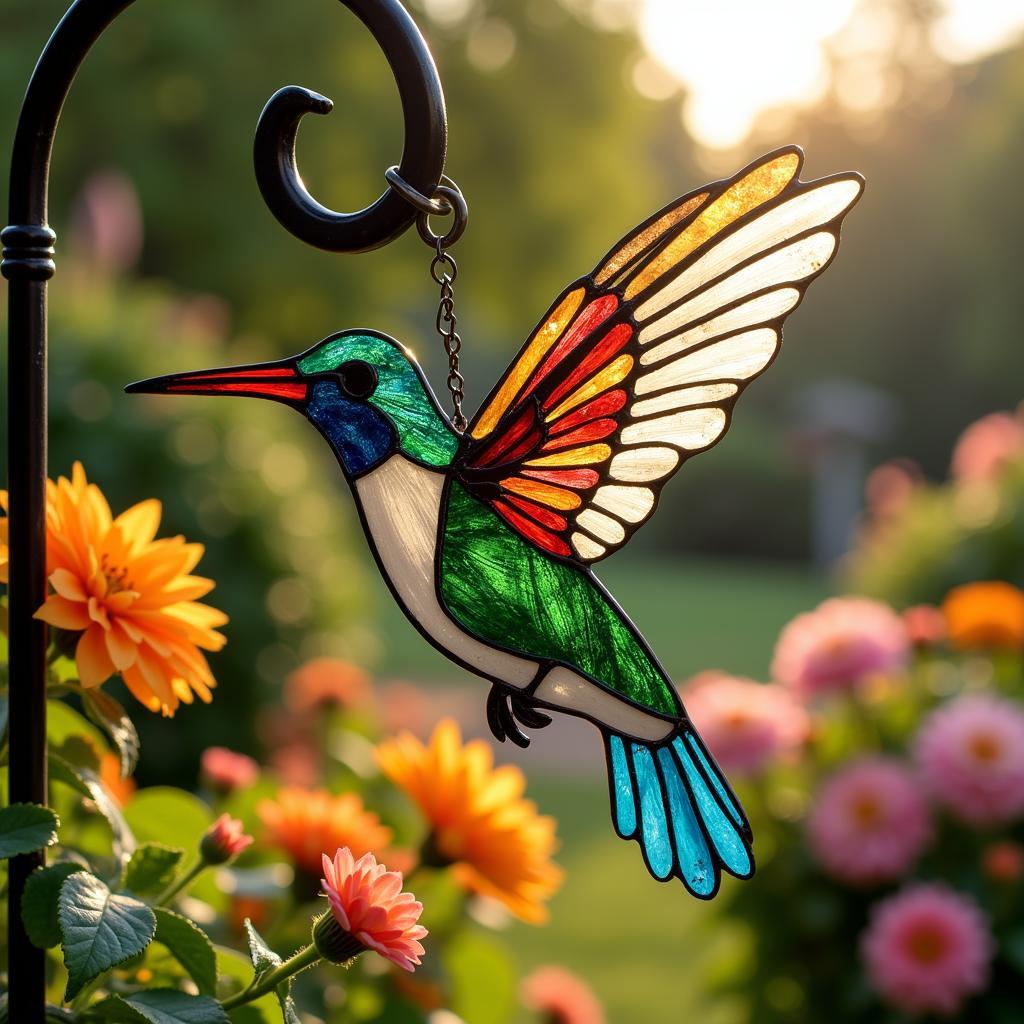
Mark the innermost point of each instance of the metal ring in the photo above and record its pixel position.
(460, 210)
(415, 198)
(426, 135)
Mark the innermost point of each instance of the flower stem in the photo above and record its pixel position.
(182, 882)
(305, 957)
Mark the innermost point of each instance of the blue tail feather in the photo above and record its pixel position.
(671, 797)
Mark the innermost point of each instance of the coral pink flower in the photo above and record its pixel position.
(368, 911)
(323, 682)
(560, 997)
(987, 445)
(1003, 861)
(925, 624)
(224, 840)
(927, 949)
(843, 642)
(971, 755)
(225, 771)
(746, 724)
(869, 822)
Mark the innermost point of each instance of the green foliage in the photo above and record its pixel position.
(99, 929)
(39, 903)
(162, 1006)
(265, 959)
(151, 868)
(25, 828)
(112, 718)
(190, 946)
(87, 782)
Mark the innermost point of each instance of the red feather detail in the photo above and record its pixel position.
(531, 531)
(588, 321)
(543, 515)
(493, 453)
(527, 445)
(588, 432)
(602, 352)
(606, 405)
(580, 479)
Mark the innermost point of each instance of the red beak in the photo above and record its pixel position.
(280, 382)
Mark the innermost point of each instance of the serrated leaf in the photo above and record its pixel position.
(262, 956)
(89, 784)
(162, 1006)
(112, 718)
(100, 929)
(39, 903)
(151, 868)
(191, 948)
(25, 828)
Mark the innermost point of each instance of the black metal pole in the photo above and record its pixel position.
(27, 263)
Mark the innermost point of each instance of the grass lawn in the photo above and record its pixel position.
(649, 950)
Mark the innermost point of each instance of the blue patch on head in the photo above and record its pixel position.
(362, 437)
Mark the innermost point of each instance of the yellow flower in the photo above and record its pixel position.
(986, 614)
(498, 844)
(130, 597)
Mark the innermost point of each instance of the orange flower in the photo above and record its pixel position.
(130, 597)
(326, 681)
(122, 790)
(987, 614)
(305, 822)
(498, 844)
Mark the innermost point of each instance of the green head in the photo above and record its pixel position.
(362, 390)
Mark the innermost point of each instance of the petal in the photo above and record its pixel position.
(120, 647)
(94, 663)
(68, 585)
(64, 614)
(139, 524)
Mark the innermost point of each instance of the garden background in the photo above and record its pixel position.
(564, 132)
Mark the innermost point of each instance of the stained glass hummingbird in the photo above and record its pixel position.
(487, 539)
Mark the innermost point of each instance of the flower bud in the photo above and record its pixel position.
(223, 841)
(333, 942)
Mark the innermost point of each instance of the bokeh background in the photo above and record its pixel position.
(570, 121)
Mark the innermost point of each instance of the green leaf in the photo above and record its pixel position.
(151, 868)
(191, 948)
(89, 784)
(162, 1006)
(99, 928)
(39, 903)
(234, 973)
(265, 959)
(63, 721)
(112, 718)
(25, 828)
(483, 979)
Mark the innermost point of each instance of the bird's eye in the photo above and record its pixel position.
(357, 378)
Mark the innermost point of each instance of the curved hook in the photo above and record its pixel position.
(426, 137)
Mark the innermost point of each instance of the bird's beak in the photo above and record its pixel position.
(279, 381)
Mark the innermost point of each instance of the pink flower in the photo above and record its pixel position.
(368, 911)
(869, 822)
(987, 445)
(925, 625)
(226, 771)
(1003, 861)
(927, 949)
(971, 755)
(323, 682)
(560, 997)
(224, 840)
(843, 642)
(745, 724)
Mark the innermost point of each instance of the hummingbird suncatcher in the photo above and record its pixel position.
(487, 539)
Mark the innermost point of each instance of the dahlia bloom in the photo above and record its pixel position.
(368, 911)
(305, 822)
(130, 598)
(497, 843)
(984, 615)
(744, 723)
(224, 840)
(986, 446)
(561, 997)
(839, 645)
(225, 770)
(869, 822)
(971, 756)
(927, 949)
(323, 682)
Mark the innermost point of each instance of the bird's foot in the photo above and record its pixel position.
(506, 709)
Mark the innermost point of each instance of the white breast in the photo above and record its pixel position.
(401, 503)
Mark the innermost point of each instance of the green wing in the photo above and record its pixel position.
(509, 593)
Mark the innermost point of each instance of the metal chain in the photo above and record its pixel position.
(444, 270)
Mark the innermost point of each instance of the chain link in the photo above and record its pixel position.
(444, 270)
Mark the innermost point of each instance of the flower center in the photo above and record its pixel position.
(985, 747)
(925, 945)
(866, 809)
(116, 576)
